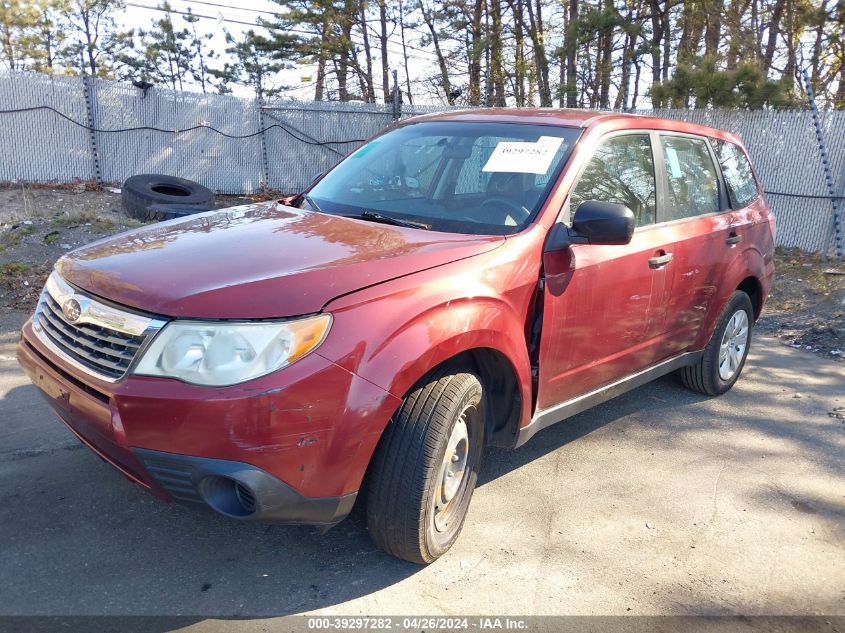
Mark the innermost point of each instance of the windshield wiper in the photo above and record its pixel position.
(372, 216)
(310, 201)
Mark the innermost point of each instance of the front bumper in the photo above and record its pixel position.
(291, 447)
(239, 490)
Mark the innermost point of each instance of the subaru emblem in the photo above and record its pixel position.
(71, 309)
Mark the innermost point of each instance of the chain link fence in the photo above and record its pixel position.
(238, 146)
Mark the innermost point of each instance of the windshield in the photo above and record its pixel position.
(455, 176)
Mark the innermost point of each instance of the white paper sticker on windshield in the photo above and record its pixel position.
(674, 163)
(524, 158)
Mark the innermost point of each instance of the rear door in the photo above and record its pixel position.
(707, 230)
(604, 306)
(751, 219)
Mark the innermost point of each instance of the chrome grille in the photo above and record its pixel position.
(95, 337)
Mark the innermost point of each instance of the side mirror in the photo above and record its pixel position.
(604, 222)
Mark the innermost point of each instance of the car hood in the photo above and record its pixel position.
(256, 261)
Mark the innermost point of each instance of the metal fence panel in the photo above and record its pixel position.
(226, 165)
(303, 139)
(300, 144)
(783, 149)
(300, 141)
(40, 145)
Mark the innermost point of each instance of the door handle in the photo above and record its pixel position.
(733, 238)
(660, 260)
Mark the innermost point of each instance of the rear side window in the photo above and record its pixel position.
(742, 187)
(621, 171)
(693, 186)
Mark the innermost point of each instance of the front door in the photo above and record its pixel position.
(605, 306)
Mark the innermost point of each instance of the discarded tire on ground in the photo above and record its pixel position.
(163, 212)
(150, 197)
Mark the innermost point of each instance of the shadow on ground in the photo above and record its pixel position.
(79, 539)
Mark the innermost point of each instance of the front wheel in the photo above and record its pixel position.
(426, 466)
(724, 357)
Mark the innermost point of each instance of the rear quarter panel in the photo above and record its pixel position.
(753, 257)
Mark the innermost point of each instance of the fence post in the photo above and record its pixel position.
(89, 87)
(837, 231)
(264, 176)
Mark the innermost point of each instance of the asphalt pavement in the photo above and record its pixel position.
(658, 502)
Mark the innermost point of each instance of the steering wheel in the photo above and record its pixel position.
(507, 207)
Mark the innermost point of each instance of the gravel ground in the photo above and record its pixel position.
(806, 309)
(39, 225)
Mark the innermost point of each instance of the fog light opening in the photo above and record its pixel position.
(228, 496)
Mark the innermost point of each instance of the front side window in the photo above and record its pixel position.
(739, 178)
(621, 171)
(455, 176)
(692, 183)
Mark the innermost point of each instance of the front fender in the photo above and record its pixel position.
(394, 333)
(394, 353)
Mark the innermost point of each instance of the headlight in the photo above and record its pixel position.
(219, 354)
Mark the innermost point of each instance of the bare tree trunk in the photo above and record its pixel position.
(385, 66)
(519, 53)
(815, 77)
(791, 69)
(627, 57)
(47, 38)
(342, 72)
(571, 46)
(736, 10)
(656, 40)
(405, 51)
(713, 27)
(692, 29)
(667, 41)
(603, 71)
(537, 33)
(774, 32)
(497, 69)
(477, 45)
(428, 18)
(89, 42)
(839, 97)
(322, 57)
(636, 94)
(488, 76)
(368, 89)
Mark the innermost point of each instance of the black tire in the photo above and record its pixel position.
(141, 194)
(161, 212)
(404, 482)
(703, 376)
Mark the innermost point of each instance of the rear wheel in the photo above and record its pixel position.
(724, 357)
(426, 466)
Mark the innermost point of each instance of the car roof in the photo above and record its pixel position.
(572, 117)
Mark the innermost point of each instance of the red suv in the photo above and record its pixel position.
(462, 280)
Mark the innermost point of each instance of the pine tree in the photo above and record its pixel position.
(94, 42)
(255, 64)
